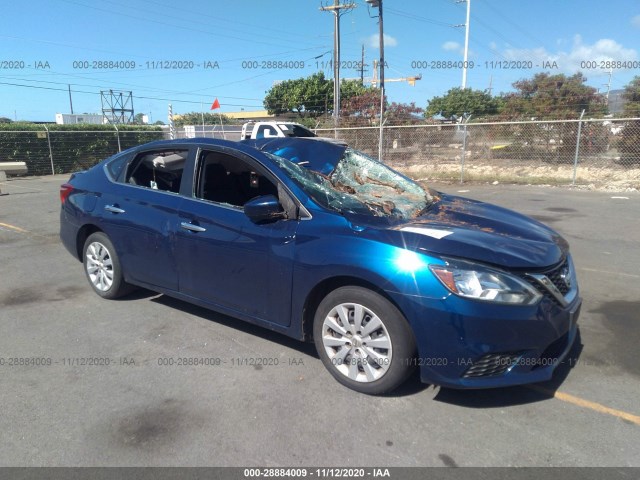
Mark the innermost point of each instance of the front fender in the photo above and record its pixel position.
(345, 252)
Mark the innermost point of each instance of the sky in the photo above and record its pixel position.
(189, 53)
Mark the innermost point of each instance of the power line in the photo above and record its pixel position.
(159, 90)
(418, 18)
(221, 21)
(166, 24)
(518, 28)
(142, 97)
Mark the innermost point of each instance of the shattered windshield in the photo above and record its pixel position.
(362, 185)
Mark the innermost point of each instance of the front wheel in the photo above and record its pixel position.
(363, 340)
(102, 267)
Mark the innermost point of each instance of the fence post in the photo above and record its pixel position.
(53, 170)
(118, 137)
(575, 159)
(464, 149)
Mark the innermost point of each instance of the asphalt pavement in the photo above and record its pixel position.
(90, 382)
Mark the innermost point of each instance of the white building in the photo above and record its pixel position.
(72, 118)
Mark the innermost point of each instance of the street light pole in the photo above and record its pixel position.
(381, 33)
(466, 46)
(336, 64)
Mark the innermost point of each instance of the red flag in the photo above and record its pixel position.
(215, 104)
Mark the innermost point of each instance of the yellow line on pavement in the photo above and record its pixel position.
(580, 402)
(14, 228)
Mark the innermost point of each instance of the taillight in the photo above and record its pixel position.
(65, 191)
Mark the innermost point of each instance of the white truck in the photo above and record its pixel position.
(274, 130)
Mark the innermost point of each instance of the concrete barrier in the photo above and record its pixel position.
(11, 168)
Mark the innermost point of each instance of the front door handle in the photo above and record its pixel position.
(113, 209)
(191, 227)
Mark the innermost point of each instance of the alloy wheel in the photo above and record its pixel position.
(357, 342)
(99, 266)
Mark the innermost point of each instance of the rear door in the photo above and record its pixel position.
(140, 211)
(224, 258)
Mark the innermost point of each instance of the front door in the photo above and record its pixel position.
(224, 258)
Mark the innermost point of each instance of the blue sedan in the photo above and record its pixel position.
(320, 242)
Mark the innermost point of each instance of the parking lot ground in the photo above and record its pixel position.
(114, 394)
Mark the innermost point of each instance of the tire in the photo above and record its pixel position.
(347, 350)
(102, 267)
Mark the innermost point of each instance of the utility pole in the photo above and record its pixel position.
(466, 43)
(70, 101)
(335, 8)
(362, 69)
(378, 3)
(609, 84)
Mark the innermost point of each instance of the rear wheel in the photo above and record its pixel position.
(363, 340)
(102, 267)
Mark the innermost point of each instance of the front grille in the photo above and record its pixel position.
(492, 365)
(556, 276)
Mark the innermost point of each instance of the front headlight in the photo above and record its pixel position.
(470, 280)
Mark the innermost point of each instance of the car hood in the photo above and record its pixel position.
(463, 228)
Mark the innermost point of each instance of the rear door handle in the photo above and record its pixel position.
(113, 209)
(191, 227)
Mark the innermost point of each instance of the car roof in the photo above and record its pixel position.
(201, 141)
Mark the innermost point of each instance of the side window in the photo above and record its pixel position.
(223, 178)
(116, 164)
(158, 170)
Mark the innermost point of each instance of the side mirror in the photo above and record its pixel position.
(264, 209)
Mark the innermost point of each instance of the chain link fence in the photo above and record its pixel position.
(46, 151)
(220, 132)
(597, 153)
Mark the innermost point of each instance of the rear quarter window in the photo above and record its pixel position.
(116, 165)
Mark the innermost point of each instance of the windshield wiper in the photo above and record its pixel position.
(427, 207)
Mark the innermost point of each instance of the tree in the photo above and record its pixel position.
(362, 109)
(138, 119)
(547, 96)
(631, 96)
(196, 118)
(403, 114)
(308, 97)
(458, 101)
(630, 142)
(350, 89)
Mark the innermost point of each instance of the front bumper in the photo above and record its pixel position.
(470, 344)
